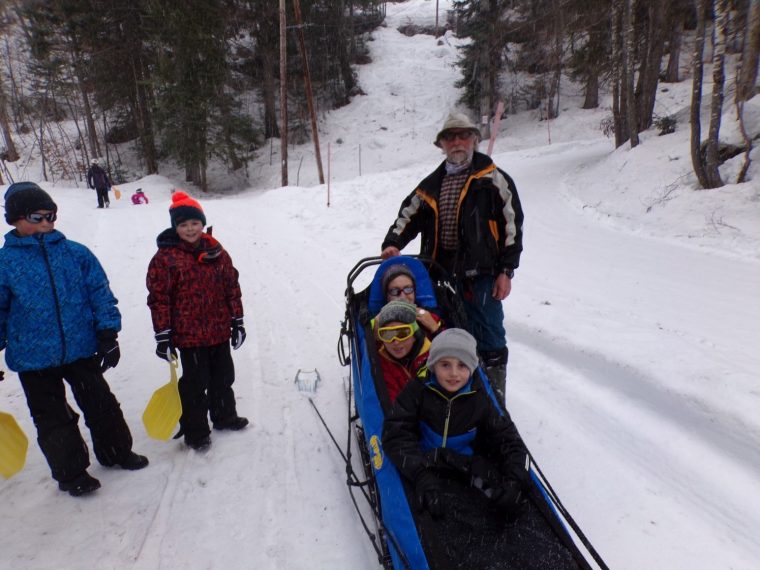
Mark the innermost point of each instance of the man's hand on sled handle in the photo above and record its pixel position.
(390, 251)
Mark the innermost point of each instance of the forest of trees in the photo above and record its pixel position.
(189, 81)
(626, 47)
(199, 80)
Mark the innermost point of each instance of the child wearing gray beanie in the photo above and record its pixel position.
(454, 343)
(397, 311)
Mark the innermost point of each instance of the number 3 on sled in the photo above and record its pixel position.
(13, 446)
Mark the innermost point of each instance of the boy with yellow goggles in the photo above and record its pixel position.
(397, 333)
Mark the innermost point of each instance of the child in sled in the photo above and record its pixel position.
(195, 303)
(59, 322)
(467, 467)
(139, 197)
(402, 345)
(398, 283)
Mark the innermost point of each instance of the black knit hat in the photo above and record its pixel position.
(24, 198)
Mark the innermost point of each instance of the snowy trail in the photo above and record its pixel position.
(629, 409)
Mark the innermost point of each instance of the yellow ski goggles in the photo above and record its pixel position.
(397, 332)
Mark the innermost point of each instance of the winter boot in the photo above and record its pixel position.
(80, 485)
(133, 461)
(495, 364)
(233, 424)
(201, 444)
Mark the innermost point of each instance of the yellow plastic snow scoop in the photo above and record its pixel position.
(13, 446)
(116, 192)
(164, 409)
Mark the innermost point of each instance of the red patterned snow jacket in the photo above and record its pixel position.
(193, 291)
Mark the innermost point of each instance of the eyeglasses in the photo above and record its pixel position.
(449, 136)
(37, 218)
(396, 291)
(397, 332)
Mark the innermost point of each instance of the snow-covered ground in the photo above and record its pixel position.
(634, 327)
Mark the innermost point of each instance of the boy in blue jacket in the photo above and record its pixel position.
(59, 321)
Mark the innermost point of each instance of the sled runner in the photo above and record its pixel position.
(401, 535)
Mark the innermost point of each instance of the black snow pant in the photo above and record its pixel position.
(102, 196)
(205, 388)
(58, 435)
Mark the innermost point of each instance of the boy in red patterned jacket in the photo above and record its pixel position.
(195, 303)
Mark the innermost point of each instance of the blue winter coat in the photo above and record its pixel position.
(54, 298)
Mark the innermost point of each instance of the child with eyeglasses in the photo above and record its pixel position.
(467, 466)
(398, 283)
(195, 303)
(402, 345)
(59, 322)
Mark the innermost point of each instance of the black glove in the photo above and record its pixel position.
(108, 349)
(238, 333)
(484, 474)
(164, 347)
(445, 458)
(509, 498)
(427, 491)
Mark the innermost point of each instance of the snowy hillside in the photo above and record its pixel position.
(634, 327)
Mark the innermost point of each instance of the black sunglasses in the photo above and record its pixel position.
(37, 218)
(396, 291)
(449, 136)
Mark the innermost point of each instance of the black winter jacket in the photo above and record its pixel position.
(489, 219)
(426, 418)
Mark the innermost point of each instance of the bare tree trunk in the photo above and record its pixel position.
(628, 71)
(283, 95)
(144, 116)
(89, 121)
(309, 94)
(268, 88)
(11, 154)
(716, 105)
(649, 72)
(591, 100)
(672, 75)
(619, 109)
(597, 39)
(344, 56)
(696, 93)
(747, 76)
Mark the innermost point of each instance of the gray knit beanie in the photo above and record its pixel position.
(394, 271)
(454, 343)
(397, 312)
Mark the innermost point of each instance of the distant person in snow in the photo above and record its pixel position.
(139, 197)
(402, 345)
(470, 219)
(467, 467)
(98, 179)
(195, 303)
(59, 321)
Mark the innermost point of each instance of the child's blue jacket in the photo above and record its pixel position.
(54, 299)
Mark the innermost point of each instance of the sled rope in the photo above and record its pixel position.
(353, 481)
